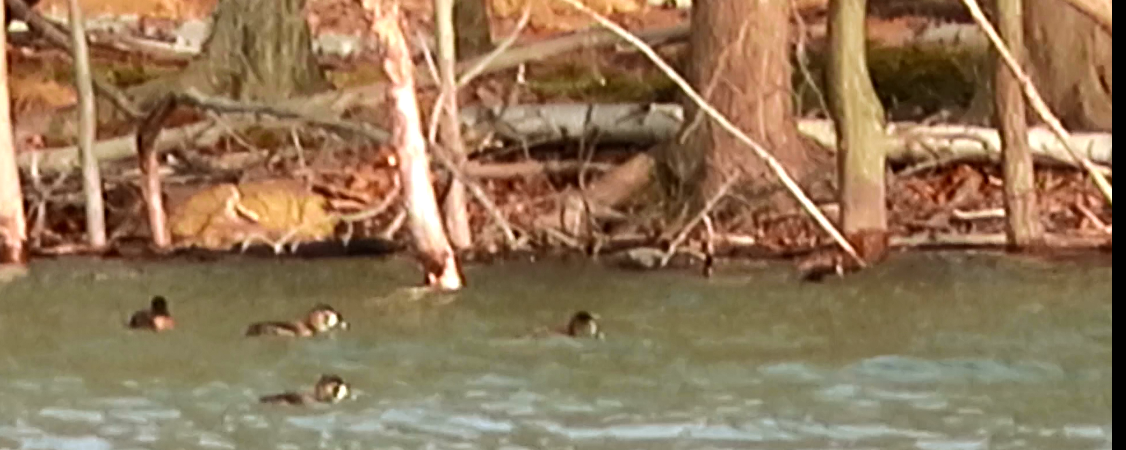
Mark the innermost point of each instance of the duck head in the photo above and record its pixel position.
(323, 318)
(331, 389)
(584, 324)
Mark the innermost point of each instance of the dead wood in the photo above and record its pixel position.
(652, 123)
(575, 210)
(424, 221)
(151, 191)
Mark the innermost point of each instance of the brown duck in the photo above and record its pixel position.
(329, 389)
(156, 318)
(583, 324)
(320, 319)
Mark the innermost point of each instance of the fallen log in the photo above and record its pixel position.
(647, 124)
(639, 124)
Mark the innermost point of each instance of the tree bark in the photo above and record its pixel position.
(1072, 60)
(424, 221)
(13, 226)
(474, 35)
(1099, 10)
(1021, 211)
(861, 141)
(449, 126)
(258, 50)
(739, 53)
(87, 124)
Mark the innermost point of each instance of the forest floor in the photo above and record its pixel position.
(955, 199)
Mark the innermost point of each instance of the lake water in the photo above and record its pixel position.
(928, 351)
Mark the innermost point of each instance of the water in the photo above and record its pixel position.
(928, 351)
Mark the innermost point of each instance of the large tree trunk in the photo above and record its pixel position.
(259, 50)
(1071, 58)
(861, 141)
(474, 35)
(1021, 212)
(13, 228)
(740, 62)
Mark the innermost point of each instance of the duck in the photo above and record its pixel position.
(322, 318)
(156, 318)
(583, 324)
(330, 388)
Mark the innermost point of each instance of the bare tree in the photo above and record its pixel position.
(449, 126)
(1022, 214)
(861, 141)
(87, 123)
(13, 226)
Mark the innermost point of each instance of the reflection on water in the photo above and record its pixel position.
(926, 352)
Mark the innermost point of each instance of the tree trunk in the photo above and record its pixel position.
(861, 141)
(449, 126)
(1071, 58)
(13, 227)
(1021, 212)
(474, 35)
(258, 50)
(87, 124)
(425, 223)
(739, 54)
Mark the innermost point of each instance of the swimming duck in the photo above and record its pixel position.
(156, 318)
(329, 389)
(320, 319)
(583, 324)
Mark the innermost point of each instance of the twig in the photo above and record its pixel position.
(481, 197)
(529, 168)
(1091, 216)
(711, 203)
(195, 98)
(1034, 98)
(395, 225)
(726, 124)
(483, 62)
(990, 213)
(709, 247)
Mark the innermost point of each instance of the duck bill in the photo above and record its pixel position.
(343, 325)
